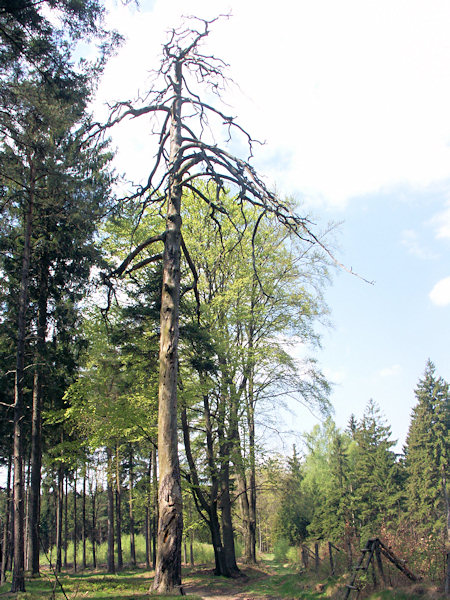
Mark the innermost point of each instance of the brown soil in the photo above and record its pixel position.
(225, 589)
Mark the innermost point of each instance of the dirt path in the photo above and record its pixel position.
(226, 589)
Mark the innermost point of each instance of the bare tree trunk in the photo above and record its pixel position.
(118, 512)
(66, 521)
(131, 514)
(148, 533)
(35, 484)
(111, 566)
(18, 577)
(148, 523)
(227, 521)
(6, 545)
(59, 517)
(26, 521)
(227, 444)
(93, 524)
(34, 503)
(75, 521)
(170, 527)
(252, 471)
(206, 506)
(83, 519)
(191, 547)
(245, 514)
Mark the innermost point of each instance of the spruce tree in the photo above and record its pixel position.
(427, 453)
(376, 474)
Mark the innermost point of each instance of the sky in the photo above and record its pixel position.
(352, 99)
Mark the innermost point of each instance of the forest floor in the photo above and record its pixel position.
(267, 581)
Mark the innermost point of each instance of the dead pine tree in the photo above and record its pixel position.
(187, 159)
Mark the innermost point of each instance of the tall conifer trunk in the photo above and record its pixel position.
(66, 521)
(36, 422)
(118, 496)
(148, 523)
(18, 578)
(59, 516)
(93, 525)
(131, 513)
(83, 520)
(75, 521)
(110, 533)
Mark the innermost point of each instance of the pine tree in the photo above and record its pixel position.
(376, 474)
(427, 452)
(293, 515)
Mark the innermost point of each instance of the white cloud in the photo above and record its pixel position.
(442, 223)
(335, 376)
(410, 239)
(440, 294)
(390, 371)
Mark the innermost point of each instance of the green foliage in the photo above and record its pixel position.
(280, 549)
(375, 476)
(293, 515)
(427, 453)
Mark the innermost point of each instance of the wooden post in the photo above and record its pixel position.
(330, 551)
(349, 556)
(191, 547)
(391, 556)
(316, 556)
(305, 557)
(374, 577)
(379, 563)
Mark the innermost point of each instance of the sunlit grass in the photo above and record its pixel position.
(203, 553)
(134, 584)
(271, 578)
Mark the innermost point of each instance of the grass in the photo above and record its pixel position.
(272, 578)
(203, 553)
(132, 584)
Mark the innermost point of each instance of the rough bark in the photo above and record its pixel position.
(35, 485)
(227, 441)
(18, 578)
(170, 527)
(227, 521)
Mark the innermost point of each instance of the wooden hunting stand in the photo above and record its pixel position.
(372, 554)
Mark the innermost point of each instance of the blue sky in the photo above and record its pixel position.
(352, 98)
(384, 333)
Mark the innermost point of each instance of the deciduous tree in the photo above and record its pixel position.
(186, 154)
